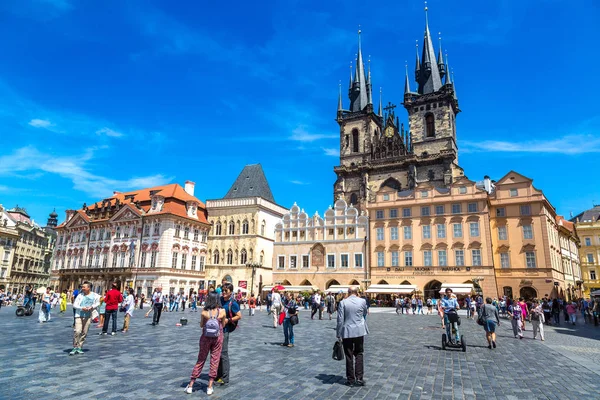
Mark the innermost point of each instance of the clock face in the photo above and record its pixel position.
(389, 131)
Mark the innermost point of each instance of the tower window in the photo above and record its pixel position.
(354, 199)
(430, 125)
(355, 141)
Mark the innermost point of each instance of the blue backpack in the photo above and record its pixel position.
(212, 328)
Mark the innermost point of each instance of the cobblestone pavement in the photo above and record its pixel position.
(403, 359)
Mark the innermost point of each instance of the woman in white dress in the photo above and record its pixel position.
(44, 314)
(129, 304)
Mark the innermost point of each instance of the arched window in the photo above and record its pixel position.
(353, 199)
(262, 257)
(231, 228)
(430, 125)
(229, 257)
(218, 229)
(243, 256)
(263, 227)
(355, 141)
(216, 257)
(245, 227)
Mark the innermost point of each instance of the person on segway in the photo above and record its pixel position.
(450, 307)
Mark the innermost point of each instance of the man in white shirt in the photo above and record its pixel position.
(85, 302)
(316, 306)
(158, 299)
(275, 306)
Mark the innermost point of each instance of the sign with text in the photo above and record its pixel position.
(243, 284)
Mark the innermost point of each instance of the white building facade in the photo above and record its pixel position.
(144, 239)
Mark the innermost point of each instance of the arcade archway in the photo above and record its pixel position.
(528, 293)
(432, 289)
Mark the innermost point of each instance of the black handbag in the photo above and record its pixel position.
(338, 351)
(294, 319)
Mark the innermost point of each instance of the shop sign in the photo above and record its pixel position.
(450, 269)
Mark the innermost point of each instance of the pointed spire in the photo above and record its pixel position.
(340, 105)
(369, 89)
(430, 80)
(454, 86)
(440, 58)
(448, 79)
(350, 84)
(417, 64)
(359, 93)
(380, 111)
(406, 81)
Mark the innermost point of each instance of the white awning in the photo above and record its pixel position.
(392, 289)
(337, 289)
(291, 288)
(240, 289)
(458, 288)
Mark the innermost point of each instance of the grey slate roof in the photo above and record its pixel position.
(251, 182)
(591, 215)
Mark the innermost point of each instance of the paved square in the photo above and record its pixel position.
(403, 359)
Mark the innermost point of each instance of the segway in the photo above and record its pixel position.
(447, 342)
(22, 310)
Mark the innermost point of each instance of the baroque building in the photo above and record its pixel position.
(375, 148)
(31, 251)
(9, 236)
(321, 252)
(526, 241)
(587, 224)
(431, 237)
(240, 244)
(143, 238)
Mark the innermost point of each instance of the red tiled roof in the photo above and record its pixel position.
(175, 203)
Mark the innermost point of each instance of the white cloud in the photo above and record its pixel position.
(570, 145)
(296, 182)
(74, 168)
(109, 132)
(331, 151)
(40, 123)
(300, 134)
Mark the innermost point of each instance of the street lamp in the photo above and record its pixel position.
(253, 266)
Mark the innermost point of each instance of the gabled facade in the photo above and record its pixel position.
(525, 239)
(240, 244)
(9, 236)
(321, 251)
(143, 238)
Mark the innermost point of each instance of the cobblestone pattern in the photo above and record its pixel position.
(403, 359)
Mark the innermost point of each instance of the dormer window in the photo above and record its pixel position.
(157, 203)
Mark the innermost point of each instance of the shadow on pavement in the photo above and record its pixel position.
(329, 379)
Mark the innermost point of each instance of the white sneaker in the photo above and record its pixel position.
(188, 390)
(209, 391)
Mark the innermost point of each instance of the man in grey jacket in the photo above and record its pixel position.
(352, 328)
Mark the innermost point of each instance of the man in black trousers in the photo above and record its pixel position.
(352, 329)
(157, 302)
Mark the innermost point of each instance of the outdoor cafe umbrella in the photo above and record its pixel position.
(278, 287)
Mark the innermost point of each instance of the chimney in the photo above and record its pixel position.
(70, 214)
(189, 187)
(487, 184)
(116, 193)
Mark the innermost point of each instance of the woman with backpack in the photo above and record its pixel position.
(212, 321)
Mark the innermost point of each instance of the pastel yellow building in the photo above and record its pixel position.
(588, 228)
(525, 240)
(432, 237)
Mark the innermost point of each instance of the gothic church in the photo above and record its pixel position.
(377, 151)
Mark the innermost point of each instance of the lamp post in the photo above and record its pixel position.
(253, 266)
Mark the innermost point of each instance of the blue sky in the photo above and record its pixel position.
(118, 95)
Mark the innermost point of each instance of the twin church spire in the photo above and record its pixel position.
(430, 72)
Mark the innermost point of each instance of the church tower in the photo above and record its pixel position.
(376, 151)
(358, 125)
(432, 111)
